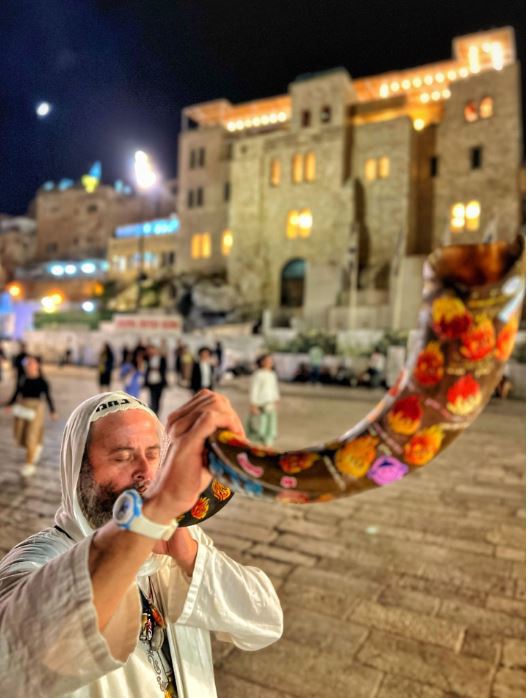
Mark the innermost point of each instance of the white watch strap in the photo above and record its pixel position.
(151, 529)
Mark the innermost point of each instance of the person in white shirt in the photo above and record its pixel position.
(264, 398)
(115, 600)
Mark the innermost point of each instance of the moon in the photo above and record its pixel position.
(43, 109)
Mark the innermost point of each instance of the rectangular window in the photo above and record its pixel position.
(52, 247)
(433, 166)
(199, 196)
(201, 157)
(326, 114)
(275, 173)
(227, 191)
(190, 198)
(306, 118)
(476, 158)
(465, 217)
(92, 208)
(370, 169)
(227, 242)
(297, 168)
(309, 167)
(383, 168)
(192, 159)
(201, 246)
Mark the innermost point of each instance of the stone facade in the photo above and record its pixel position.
(76, 224)
(339, 189)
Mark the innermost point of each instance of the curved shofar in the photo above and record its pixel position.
(472, 301)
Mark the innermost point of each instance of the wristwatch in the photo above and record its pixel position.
(127, 514)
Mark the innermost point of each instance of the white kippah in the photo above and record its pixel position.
(118, 402)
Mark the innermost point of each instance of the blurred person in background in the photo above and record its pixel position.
(28, 410)
(132, 373)
(264, 398)
(155, 376)
(203, 371)
(105, 367)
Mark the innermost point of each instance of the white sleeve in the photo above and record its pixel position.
(254, 389)
(50, 643)
(235, 601)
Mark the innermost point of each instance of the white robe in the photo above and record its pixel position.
(50, 644)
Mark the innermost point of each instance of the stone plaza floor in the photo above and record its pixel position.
(416, 590)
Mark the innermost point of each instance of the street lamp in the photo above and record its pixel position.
(146, 180)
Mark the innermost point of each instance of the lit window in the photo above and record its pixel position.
(227, 242)
(473, 216)
(201, 246)
(299, 224)
(486, 108)
(470, 112)
(275, 173)
(309, 167)
(292, 224)
(383, 168)
(465, 217)
(297, 168)
(370, 169)
(305, 223)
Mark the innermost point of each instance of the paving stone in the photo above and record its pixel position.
(321, 631)
(283, 555)
(427, 664)
(330, 603)
(318, 548)
(332, 581)
(483, 620)
(306, 528)
(224, 541)
(509, 683)
(229, 686)
(400, 687)
(409, 624)
(485, 647)
(508, 536)
(510, 606)
(261, 534)
(514, 653)
(506, 553)
(411, 600)
(304, 671)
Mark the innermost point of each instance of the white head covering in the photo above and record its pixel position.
(69, 516)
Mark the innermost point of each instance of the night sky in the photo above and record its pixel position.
(118, 72)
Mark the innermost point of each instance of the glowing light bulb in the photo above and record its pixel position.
(417, 82)
(439, 77)
(424, 97)
(146, 177)
(406, 84)
(419, 124)
(428, 80)
(43, 109)
(384, 90)
(451, 74)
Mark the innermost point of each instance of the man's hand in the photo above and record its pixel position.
(182, 475)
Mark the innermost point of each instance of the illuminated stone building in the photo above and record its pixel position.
(76, 223)
(322, 203)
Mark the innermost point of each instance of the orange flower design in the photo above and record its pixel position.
(506, 340)
(232, 439)
(429, 369)
(464, 396)
(479, 340)
(295, 462)
(220, 491)
(450, 316)
(200, 509)
(406, 415)
(355, 457)
(423, 446)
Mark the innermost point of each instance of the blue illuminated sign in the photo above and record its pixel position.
(162, 226)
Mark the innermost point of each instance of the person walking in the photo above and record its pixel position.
(28, 411)
(106, 366)
(155, 376)
(264, 398)
(132, 373)
(203, 371)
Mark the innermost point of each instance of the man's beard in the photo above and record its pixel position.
(97, 501)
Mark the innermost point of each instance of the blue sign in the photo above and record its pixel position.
(162, 226)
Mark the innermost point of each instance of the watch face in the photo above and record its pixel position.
(123, 508)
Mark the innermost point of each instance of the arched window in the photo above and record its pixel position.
(292, 284)
(297, 168)
(292, 224)
(275, 173)
(227, 242)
